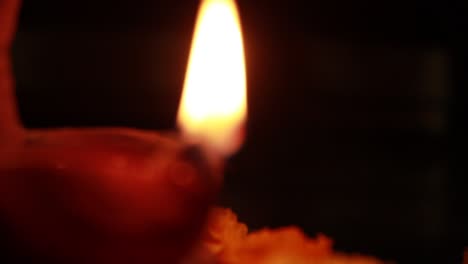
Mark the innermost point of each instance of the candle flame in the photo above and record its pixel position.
(213, 108)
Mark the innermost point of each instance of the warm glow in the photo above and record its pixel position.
(213, 108)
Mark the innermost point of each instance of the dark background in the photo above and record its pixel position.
(354, 107)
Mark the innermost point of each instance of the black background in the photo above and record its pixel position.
(353, 107)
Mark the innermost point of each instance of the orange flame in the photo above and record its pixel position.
(213, 108)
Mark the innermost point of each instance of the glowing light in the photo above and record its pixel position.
(213, 108)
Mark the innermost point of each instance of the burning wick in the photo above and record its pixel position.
(213, 107)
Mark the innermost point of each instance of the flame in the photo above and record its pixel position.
(213, 108)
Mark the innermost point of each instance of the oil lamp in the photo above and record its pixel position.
(117, 194)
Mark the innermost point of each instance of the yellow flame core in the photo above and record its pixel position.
(213, 108)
